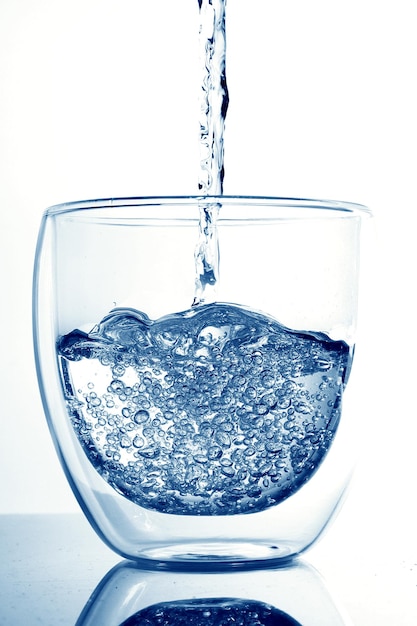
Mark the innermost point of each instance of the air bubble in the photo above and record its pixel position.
(141, 416)
(250, 394)
(214, 452)
(260, 409)
(118, 370)
(238, 381)
(193, 473)
(302, 407)
(200, 458)
(151, 452)
(228, 471)
(125, 442)
(223, 439)
(257, 358)
(268, 379)
(116, 386)
(254, 491)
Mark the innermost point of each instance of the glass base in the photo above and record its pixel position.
(210, 555)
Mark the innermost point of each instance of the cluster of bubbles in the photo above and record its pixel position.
(215, 411)
(211, 612)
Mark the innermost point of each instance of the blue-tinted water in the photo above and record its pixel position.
(211, 612)
(218, 410)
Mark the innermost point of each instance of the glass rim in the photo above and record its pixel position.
(341, 209)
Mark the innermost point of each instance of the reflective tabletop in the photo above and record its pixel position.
(55, 570)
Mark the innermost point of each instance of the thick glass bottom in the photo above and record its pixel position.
(216, 554)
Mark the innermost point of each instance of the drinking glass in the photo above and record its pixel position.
(210, 429)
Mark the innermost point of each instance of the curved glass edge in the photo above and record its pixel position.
(269, 201)
(45, 396)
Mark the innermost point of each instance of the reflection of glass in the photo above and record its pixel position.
(208, 433)
(294, 595)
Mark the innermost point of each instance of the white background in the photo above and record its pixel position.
(100, 98)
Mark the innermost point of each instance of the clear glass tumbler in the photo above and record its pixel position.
(193, 356)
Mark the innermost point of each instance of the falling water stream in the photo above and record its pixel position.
(214, 101)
